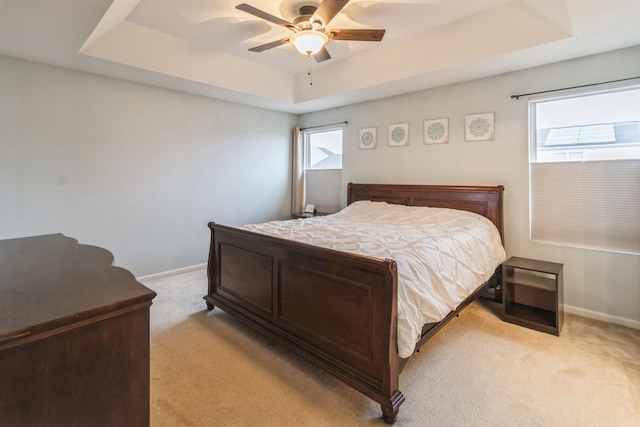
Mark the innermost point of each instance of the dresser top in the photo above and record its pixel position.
(52, 281)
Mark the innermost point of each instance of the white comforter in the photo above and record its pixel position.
(443, 255)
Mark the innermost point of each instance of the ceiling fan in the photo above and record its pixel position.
(310, 33)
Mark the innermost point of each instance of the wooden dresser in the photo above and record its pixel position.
(74, 336)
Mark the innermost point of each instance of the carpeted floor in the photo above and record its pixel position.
(208, 369)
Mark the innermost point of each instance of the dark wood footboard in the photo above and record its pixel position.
(338, 310)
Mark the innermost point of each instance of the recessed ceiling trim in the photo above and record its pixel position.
(138, 46)
(461, 43)
(115, 15)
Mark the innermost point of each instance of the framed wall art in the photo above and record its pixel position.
(479, 127)
(436, 131)
(367, 138)
(398, 135)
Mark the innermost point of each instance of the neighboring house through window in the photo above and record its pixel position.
(323, 149)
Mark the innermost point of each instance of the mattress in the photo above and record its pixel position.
(443, 255)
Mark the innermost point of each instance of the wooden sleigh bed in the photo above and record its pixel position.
(338, 310)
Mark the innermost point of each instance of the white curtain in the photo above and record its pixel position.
(298, 196)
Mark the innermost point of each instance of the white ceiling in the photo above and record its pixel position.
(200, 46)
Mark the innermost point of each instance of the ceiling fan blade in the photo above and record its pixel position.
(327, 10)
(322, 55)
(366, 35)
(269, 45)
(264, 15)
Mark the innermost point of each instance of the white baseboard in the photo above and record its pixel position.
(170, 273)
(630, 323)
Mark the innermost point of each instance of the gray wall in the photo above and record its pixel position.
(141, 170)
(135, 169)
(598, 284)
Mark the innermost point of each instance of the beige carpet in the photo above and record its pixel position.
(208, 369)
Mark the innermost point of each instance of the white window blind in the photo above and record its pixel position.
(587, 204)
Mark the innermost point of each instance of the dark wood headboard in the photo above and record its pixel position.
(483, 200)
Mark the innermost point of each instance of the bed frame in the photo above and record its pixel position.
(338, 310)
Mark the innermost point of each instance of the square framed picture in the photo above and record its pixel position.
(367, 138)
(479, 127)
(398, 135)
(436, 131)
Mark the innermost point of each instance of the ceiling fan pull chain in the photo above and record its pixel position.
(310, 72)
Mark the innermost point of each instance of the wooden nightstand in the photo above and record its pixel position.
(308, 215)
(532, 294)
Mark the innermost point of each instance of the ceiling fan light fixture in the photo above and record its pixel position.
(308, 42)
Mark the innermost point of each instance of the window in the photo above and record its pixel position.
(585, 170)
(323, 149)
(601, 126)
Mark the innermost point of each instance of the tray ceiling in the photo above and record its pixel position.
(200, 46)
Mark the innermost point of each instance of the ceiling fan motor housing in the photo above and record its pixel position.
(307, 9)
(303, 22)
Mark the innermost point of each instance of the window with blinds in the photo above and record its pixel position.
(585, 170)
